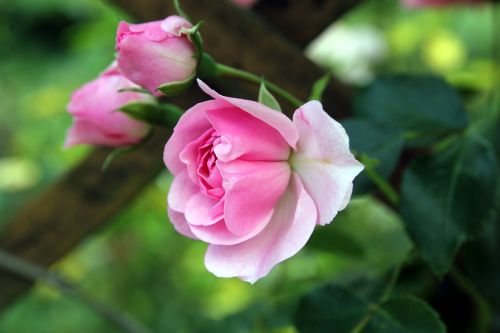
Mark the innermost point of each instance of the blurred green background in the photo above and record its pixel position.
(138, 263)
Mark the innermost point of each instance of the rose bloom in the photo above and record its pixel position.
(155, 53)
(96, 119)
(252, 183)
(425, 3)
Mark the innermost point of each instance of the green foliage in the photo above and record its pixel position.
(172, 89)
(447, 197)
(405, 314)
(382, 143)
(164, 114)
(343, 310)
(425, 107)
(330, 309)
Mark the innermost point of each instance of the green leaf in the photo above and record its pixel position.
(349, 240)
(330, 309)
(426, 107)
(344, 310)
(319, 87)
(266, 98)
(336, 240)
(447, 197)
(406, 314)
(165, 115)
(172, 89)
(377, 142)
(271, 315)
(485, 273)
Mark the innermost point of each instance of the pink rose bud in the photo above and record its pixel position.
(252, 183)
(436, 3)
(96, 119)
(156, 53)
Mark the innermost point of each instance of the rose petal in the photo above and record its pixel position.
(288, 231)
(152, 30)
(180, 224)
(201, 210)
(252, 191)
(219, 234)
(347, 198)
(181, 190)
(323, 160)
(246, 137)
(151, 64)
(269, 116)
(189, 155)
(191, 125)
(173, 24)
(86, 132)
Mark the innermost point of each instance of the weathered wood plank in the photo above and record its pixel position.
(85, 198)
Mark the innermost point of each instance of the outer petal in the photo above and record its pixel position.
(192, 124)
(181, 190)
(252, 191)
(152, 30)
(246, 137)
(87, 132)
(269, 116)
(173, 24)
(98, 100)
(288, 231)
(96, 120)
(323, 160)
(219, 234)
(151, 64)
(202, 210)
(179, 222)
(347, 198)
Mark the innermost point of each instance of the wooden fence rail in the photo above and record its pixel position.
(84, 199)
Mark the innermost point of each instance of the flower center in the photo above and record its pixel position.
(208, 173)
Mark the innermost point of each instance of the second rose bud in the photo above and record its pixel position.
(156, 53)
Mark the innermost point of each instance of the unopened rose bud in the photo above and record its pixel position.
(97, 120)
(156, 53)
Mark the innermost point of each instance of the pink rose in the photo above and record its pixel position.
(96, 119)
(155, 53)
(425, 3)
(252, 183)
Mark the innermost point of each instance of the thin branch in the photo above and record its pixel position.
(30, 271)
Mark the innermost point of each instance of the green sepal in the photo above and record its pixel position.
(165, 115)
(266, 98)
(194, 36)
(172, 89)
(319, 87)
(207, 68)
(136, 90)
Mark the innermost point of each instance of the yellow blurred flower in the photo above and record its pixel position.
(444, 52)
